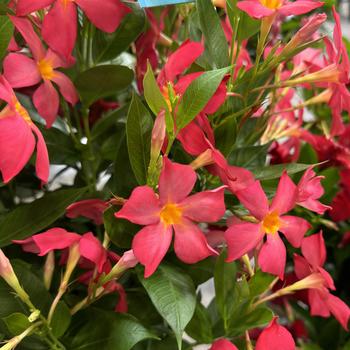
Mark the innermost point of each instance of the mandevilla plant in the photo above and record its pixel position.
(174, 178)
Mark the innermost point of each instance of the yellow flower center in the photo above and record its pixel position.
(171, 214)
(46, 69)
(271, 222)
(22, 112)
(271, 4)
(65, 3)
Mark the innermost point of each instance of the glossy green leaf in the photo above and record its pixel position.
(214, 37)
(108, 330)
(109, 46)
(173, 294)
(225, 281)
(28, 219)
(249, 157)
(139, 125)
(259, 283)
(17, 323)
(120, 231)
(6, 30)
(102, 81)
(275, 171)
(197, 95)
(247, 26)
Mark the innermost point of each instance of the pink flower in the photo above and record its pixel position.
(56, 238)
(275, 337)
(17, 141)
(310, 190)
(322, 302)
(172, 210)
(223, 344)
(40, 69)
(264, 8)
(90, 208)
(243, 237)
(59, 28)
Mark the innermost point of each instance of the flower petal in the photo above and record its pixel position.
(62, 19)
(42, 164)
(17, 144)
(90, 208)
(286, 195)
(20, 70)
(317, 301)
(150, 246)
(206, 206)
(275, 337)
(301, 267)
(24, 26)
(254, 9)
(105, 15)
(223, 344)
(67, 89)
(241, 238)
(26, 7)
(314, 250)
(254, 199)
(339, 309)
(55, 238)
(272, 256)
(175, 182)
(299, 7)
(180, 60)
(142, 207)
(294, 228)
(91, 249)
(190, 244)
(46, 101)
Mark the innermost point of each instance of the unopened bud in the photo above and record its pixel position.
(49, 269)
(313, 281)
(34, 316)
(305, 33)
(7, 273)
(204, 159)
(158, 135)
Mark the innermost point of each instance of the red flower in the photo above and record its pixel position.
(264, 8)
(223, 344)
(40, 69)
(90, 208)
(173, 209)
(275, 337)
(243, 237)
(322, 302)
(59, 28)
(17, 141)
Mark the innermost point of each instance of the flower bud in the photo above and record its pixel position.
(49, 269)
(204, 159)
(7, 273)
(313, 281)
(158, 135)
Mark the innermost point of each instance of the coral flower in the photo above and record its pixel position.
(59, 28)
(275, 337)
(264, 8)
(17, 141)
(22, 71)
(223, 344)
(56, 238)
(322, 302)
(174, 210)
(89, 208)
(244, 236)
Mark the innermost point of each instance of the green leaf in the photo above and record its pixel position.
(102, 81)
(138, 133)
(200, 327)
(247, 27)
(120, 231)
(259, 283)
(109, 46)
(28, 219)
(224, 281)
(17, 323)
(155, 98)
(6, 30)
(275, 171)
(173, 294)
(197, 95)
(108, 330)
(214, 37)
(249, 157)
